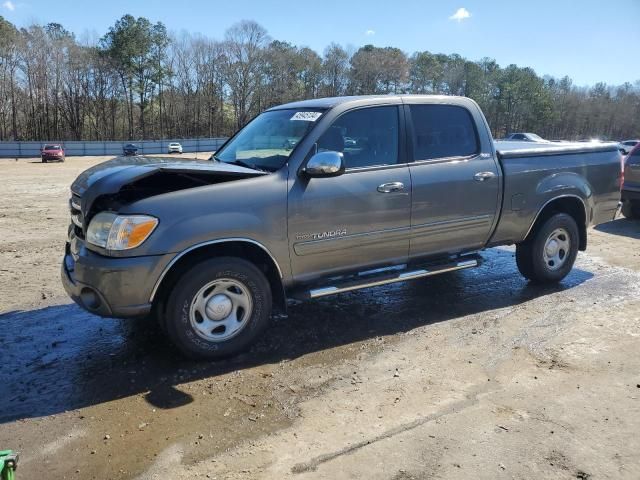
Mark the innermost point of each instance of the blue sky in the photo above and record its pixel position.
(589, 40)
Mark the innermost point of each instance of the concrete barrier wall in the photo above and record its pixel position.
(32, 149)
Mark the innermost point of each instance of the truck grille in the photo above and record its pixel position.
(76, 215)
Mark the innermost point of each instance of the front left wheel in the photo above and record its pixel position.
(218, 308)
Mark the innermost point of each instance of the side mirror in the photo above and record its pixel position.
(325, 164)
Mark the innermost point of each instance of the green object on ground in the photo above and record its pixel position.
(8, 464)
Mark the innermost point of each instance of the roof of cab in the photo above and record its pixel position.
(330, 102)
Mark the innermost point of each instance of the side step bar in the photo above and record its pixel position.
(349, 285)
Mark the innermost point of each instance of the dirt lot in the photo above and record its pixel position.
(474, 374)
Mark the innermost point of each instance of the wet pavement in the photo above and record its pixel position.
(60, 358)
(412, 380)
(116, 398)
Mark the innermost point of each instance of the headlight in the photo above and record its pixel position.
(120, 232)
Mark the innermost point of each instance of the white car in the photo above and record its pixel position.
(526, 137)
(175, 147)
(627, 145)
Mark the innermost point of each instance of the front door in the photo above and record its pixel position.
(361, 218)
(456, 182)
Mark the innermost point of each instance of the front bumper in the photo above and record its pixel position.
(107, 286)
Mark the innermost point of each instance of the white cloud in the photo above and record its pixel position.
(9, 5)
(461, 14)
(370, 32)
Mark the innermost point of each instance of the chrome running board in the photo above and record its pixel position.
(350, 283)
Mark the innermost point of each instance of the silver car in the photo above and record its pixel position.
(627, 145)
(526, 137)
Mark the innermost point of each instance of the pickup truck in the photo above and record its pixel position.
(211, 247)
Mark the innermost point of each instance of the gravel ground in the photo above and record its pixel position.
(474, 374)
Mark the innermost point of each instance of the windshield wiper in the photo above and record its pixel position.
(242, 163)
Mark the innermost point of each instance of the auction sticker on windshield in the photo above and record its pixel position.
(306, 116)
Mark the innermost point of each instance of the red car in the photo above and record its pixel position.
(53, 151)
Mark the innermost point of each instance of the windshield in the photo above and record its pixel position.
(268, 140)
(52, 147)
(534, 136)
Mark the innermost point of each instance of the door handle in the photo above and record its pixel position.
(482, 176)
(391, 187)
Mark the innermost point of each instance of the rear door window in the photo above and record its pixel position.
(442, 131)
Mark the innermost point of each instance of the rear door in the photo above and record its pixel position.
(360, 218)
(455, 178)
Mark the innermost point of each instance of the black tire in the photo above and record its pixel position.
(159, 313)
(530, 254)
(44, 160)
(180, 320)
(631, 209)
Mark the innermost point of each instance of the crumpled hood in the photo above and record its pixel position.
(124, 170)
(122, 181)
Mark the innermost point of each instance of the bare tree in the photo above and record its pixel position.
(137, 82)
(243, 66)
(335, 70)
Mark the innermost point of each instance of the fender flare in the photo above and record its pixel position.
(175, 259)
(544, 205)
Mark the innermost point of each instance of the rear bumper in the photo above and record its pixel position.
(110, 287)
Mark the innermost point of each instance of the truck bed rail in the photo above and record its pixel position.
(554, 150)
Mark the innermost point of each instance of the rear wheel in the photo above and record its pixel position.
(631, 209)
(218, 308)
(550, 252)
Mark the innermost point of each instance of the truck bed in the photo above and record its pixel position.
(535, 174)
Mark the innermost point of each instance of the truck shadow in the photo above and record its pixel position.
(59, 358)
(623, 226)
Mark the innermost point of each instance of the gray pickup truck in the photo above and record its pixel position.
(319, 197)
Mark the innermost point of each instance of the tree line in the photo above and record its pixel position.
(140, 82)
